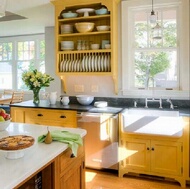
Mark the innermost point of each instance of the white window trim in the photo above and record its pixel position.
(15, 40)
(183, 92)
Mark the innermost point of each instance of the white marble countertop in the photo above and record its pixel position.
(14, 171)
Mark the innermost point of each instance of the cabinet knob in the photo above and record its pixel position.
(62, 116)
(148, 148)
(40, 115)
(152, 149)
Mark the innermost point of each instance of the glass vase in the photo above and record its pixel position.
(36, 98)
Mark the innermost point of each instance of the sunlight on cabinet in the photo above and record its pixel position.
(149, 154)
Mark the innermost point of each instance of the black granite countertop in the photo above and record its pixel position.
(115, 106)
(77, 107)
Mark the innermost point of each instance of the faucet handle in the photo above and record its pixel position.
(135, 104)
(160, 103)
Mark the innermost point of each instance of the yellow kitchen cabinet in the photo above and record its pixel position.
(70, 172)
(64, 172)
(87, 61)
(152, 156)
(162, 156)
(42, 116)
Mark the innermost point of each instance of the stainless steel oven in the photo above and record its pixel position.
(101, 141)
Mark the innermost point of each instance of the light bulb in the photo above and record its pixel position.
(152, 17)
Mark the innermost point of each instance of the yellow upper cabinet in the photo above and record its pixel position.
(74, 51)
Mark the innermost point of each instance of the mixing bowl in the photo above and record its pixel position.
(85, 99)
(83, 27)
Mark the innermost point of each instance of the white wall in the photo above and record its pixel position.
(50, 61)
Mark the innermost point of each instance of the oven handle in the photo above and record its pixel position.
(87, 114)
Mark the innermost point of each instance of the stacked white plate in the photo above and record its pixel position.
(101, 104)
(67, 45)
(66, 28)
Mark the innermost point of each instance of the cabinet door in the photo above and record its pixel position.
(17, 115)
(135, 154)
(72, 171)
(166, 157)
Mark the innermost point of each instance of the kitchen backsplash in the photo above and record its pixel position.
(129, 102)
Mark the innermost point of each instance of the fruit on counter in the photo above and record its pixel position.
(3, 114)
(48, 138)
(1, 119)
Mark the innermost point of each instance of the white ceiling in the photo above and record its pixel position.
(39, 14)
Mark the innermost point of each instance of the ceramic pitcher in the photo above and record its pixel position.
(53, 97)
(65, 100)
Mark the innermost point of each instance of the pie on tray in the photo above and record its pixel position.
(16, 142)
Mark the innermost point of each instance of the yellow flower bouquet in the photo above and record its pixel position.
(35, 80)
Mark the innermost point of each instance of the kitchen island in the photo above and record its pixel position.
(52, 161)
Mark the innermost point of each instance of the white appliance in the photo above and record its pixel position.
(101, 141)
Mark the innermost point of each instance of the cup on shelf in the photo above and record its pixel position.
(104, 42)
(108, 46)
(95, 46)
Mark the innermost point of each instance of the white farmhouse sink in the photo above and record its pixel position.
(150, 112)
(155, 122)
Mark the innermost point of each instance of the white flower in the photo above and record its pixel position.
(34, 79)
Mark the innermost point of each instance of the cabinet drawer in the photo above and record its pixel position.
(51, 117)
(66, 160)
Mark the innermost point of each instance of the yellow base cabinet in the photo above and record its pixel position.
(44, 116)
(152, 156)
(70, 172)
(155, 155)
(64, 172)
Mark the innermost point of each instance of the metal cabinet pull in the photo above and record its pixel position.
(39, 115)
(62, 116)
(152, 149)
(148, 148)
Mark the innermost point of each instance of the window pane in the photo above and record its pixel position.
(5, 51)
(42, 49)
(5, 75)
(141, 32)
(26, 50)
(21, 67)
(169, 29)
(156, 69)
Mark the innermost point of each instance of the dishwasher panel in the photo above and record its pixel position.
(101, 141)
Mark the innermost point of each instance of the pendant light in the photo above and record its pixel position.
(152, 15)
(2, 8)
(157, 31)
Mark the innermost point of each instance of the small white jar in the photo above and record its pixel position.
(65, 100)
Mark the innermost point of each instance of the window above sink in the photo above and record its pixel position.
(151, 65)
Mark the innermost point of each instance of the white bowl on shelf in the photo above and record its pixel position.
(85, 99)
(69, 14)
(103, 28)
(108, 46)
(83, 27)
(101, 11)
(67, 45)
(95, 46)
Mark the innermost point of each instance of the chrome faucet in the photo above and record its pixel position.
(171, 104)
(153, 100)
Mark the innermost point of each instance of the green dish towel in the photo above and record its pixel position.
(73, 140)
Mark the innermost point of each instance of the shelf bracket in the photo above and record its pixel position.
(63, 84)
